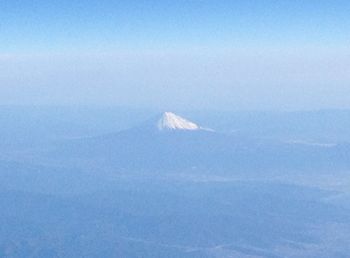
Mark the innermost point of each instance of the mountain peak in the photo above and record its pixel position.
(171, 121)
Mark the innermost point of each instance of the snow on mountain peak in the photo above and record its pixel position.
(170, 121)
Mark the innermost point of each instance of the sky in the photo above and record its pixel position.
(231, 55)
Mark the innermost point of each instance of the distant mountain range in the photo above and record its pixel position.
(170, 142)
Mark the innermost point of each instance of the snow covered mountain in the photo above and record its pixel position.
(170, 121)
(172, 142)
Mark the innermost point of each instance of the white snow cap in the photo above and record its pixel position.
(170, 121)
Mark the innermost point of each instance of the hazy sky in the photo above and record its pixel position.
(176, 54)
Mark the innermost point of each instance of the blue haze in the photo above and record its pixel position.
(89, 166)
(170, 54)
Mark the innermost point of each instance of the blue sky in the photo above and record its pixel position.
(58, 25)
(195, 54)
